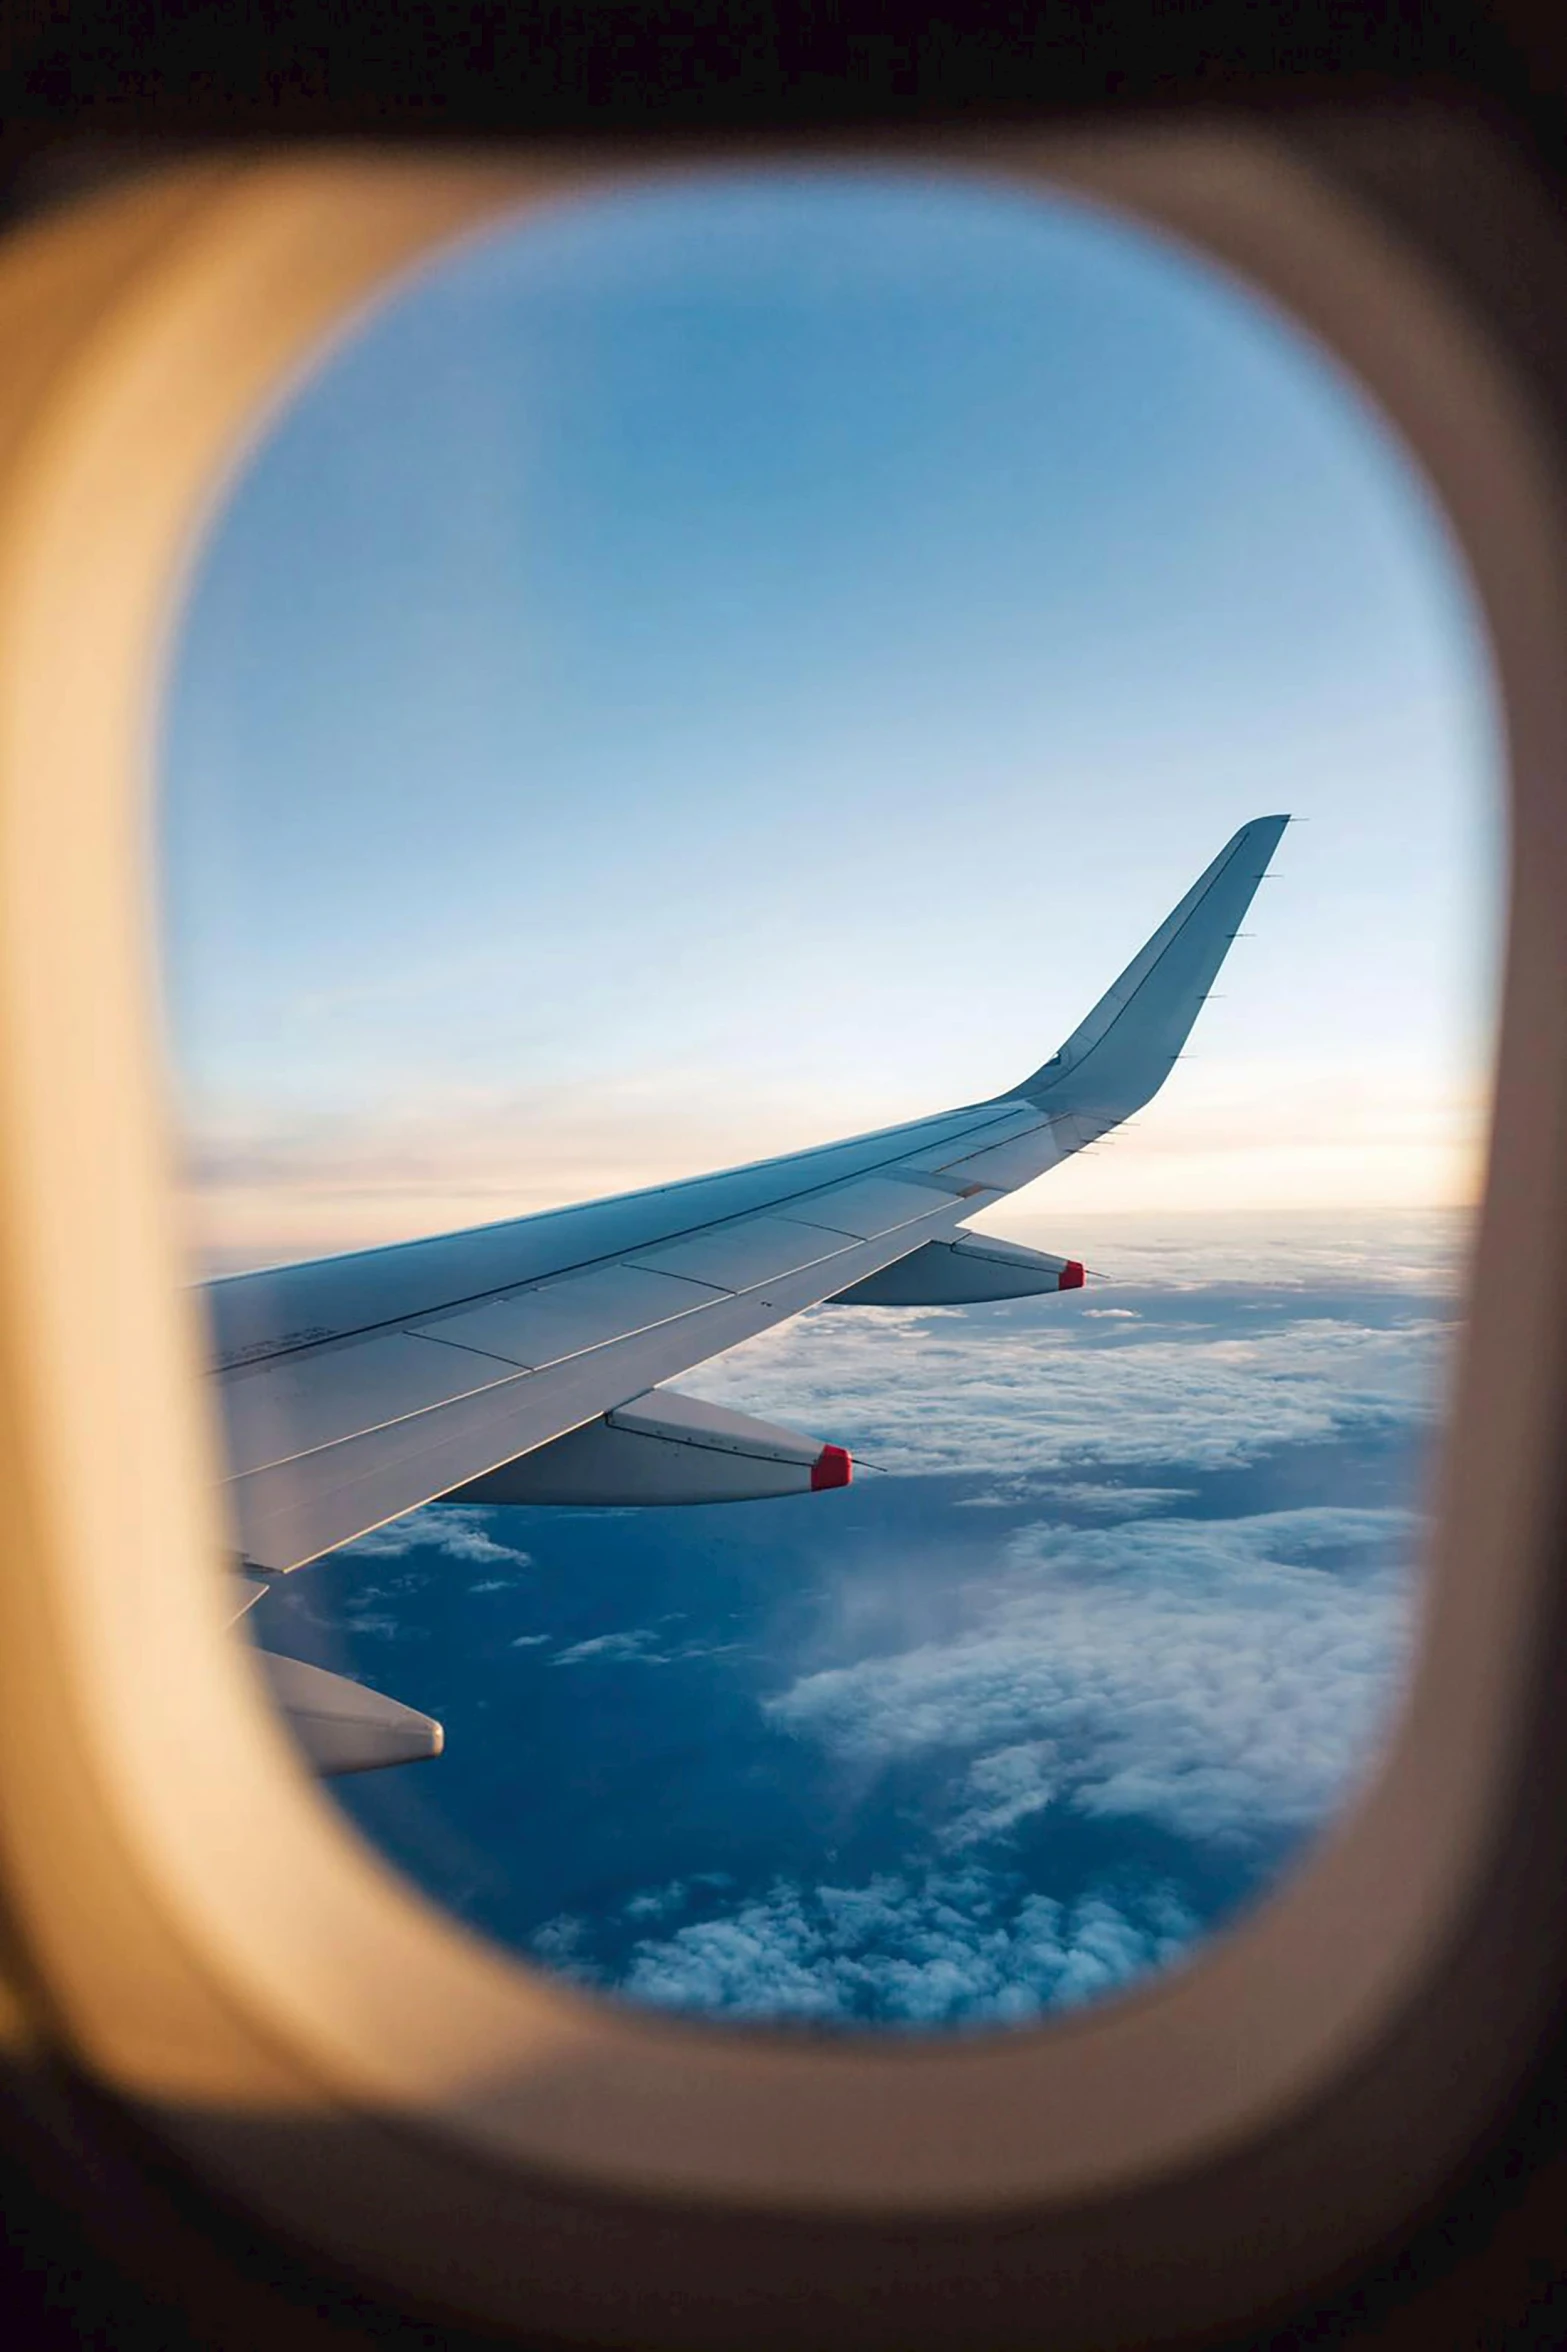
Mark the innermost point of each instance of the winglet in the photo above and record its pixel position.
(1120, 1056)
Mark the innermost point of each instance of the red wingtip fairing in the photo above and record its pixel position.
(833, 1466)
(1071, 1276)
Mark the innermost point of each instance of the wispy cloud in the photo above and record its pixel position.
(1110, 1501)
(638, 1647)
(1225, 1680)
(380, 1628)
(659, 1902)
(454, 1531)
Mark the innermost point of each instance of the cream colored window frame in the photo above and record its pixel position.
(197, 1923)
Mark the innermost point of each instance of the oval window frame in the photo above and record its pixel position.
(195, 1919)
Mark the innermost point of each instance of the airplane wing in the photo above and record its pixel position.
(526, 1361)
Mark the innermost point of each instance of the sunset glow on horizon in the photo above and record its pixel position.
(741, 663)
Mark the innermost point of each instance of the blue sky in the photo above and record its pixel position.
(713, 667)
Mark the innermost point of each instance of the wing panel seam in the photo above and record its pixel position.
(409, 1321)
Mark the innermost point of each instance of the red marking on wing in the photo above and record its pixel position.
(833, 1466)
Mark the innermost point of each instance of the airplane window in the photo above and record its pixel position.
(737, 663)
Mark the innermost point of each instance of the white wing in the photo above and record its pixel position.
(356, 1388)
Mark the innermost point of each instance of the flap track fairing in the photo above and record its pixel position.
(963, 1272)
(664, 1448)
(342, 1725)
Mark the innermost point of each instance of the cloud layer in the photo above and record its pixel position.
(950, 1948)
(1225, 1680)
(921, 1390)
(991, 1735)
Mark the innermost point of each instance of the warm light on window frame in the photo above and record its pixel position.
(210, 1936)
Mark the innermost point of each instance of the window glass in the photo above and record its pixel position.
(740, 661)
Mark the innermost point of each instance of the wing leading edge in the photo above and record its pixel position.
(355, 1389)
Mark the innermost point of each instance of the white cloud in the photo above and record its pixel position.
(1020, 1392)
(559, 1941)
(1290, 1249)
(638, 1647)
(458, 1533)
(1224, 1679)
(1115, 1502)
(380, 1628)
(1004, 1788)
(948, 1948)
(658, 1902)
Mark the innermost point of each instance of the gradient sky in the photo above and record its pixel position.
(715, 667)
